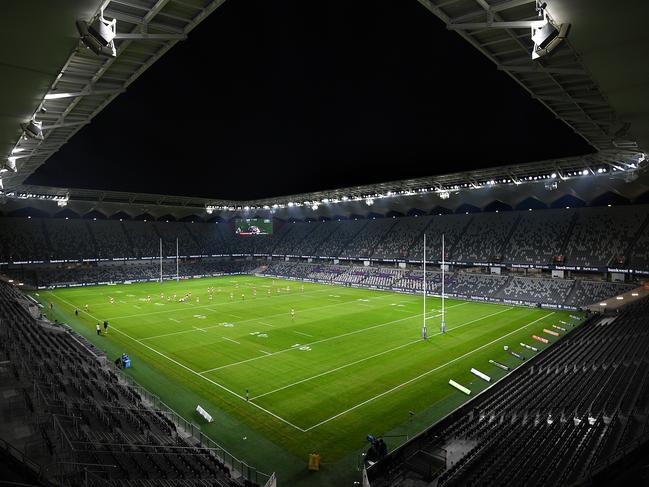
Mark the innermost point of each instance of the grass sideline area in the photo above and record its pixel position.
(350, 362)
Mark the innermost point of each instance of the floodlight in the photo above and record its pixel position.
(444, 195)
(10, 165)
(369, 201)
(547, 36)
(99, 35)
(33, 129)
(550, 185)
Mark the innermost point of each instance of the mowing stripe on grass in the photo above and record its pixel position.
(361, 330)
(191, 370)
(419, 340)
(242, 321)
(210, 306)
(425, 374)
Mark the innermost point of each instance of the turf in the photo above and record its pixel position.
(351, 361)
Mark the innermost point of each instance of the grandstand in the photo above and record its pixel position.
(310, 339)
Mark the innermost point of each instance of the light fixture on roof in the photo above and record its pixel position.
(10, 165)
(99, 35)
(33, 129)
(551, 185)
(548, 35)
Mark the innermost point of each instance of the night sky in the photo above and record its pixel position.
(270, 98)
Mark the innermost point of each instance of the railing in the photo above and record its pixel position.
(238, 468)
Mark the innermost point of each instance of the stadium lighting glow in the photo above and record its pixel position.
(10, 165)
(99, 35)
(584, 172)
(634, 294)
(369, 201)
(553, 175)
(619, 298)
(290, 204)
(444, 195)
(602, 304)
(33, 129)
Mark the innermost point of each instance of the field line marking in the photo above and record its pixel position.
(199, 329)
(192, 371)
(263, 351)
(303, 334)
(231, 340)
(399, 386)
(265, 324)
(419, 340)
(210, 306)
(245, 321)
(317, 341)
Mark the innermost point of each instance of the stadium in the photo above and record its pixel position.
(429, 324)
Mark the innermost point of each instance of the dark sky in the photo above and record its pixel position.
(269, 98)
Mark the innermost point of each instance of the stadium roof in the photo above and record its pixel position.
(595, 83)
(584, 180)
(48, 66)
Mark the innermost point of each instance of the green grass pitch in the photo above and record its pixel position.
(350, 362)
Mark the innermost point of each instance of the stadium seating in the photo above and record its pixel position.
(603, 236)
(363, 244)
(451, 226)
(590, 237)
(402, 235)
(552, 422)
(144, 238)
(110, 239)
(538, 237)
(69, 239)
(590, 292)
(538, 290)
(77, 411)
(23, 239)
(347, 230)
(485, 239)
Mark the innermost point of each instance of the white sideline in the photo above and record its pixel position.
(192, 371)
(285, 421)
(425, 374)
(419, 340)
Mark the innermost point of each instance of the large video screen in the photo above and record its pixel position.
(253, 226)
